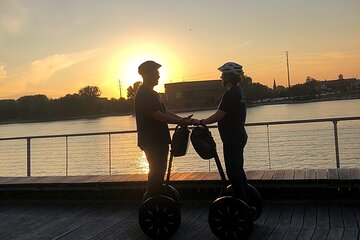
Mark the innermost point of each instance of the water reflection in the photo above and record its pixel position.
(143, 163)
(291, 146)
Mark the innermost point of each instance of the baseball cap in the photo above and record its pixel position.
(147, 66)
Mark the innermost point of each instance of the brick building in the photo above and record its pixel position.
(194, 95)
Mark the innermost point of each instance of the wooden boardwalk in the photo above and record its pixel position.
(301, 216)
(332, 219)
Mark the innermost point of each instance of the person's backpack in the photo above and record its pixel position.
(180, 141)
(203, 142)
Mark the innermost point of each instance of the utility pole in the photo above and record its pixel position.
(120, 88)
(288, 73)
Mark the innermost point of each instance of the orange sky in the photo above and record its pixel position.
(55, 48)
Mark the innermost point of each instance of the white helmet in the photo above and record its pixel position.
(231, 67)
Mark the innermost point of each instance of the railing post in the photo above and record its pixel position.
(336, 144)
(109, 154)
(28, 157)
(268, 141)
(67, 156)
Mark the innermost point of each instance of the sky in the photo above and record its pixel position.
(57, 47)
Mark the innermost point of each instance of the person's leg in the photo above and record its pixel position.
(157, 158)
(234, 162)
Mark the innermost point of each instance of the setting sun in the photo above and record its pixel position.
(124, 66)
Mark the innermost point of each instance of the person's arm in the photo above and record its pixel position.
(164, 117)
(170, 113)
(217, 116)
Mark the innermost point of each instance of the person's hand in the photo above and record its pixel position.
(195, 121)
(186, 120)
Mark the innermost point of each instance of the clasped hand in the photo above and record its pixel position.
(190, 121)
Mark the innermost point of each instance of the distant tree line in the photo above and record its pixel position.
(86, 102)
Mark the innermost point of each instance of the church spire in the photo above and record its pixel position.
(274, 86)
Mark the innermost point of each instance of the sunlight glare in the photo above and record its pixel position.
(127, 63)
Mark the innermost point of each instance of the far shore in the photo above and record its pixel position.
(174, 110)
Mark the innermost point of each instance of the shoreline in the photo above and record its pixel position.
(174, 110)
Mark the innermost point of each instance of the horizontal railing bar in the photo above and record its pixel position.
(304, 121)
(210, 126)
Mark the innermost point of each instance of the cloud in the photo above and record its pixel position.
(27, 79)
(12, 16)
(43, 69)
(3, 72)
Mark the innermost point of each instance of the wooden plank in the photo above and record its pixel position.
(344, 174)
(356, 208)
(333, 174)
(350, 234)
(309, 222)
(198, 176)
(22, 180)
(268, 175)
(355, 173)
(118, 229)
(75, 225)
(184, 176)
(322, 222)
(278, 175)
(297, 220)
(198, 226)
(176, 176)
(270, 223)
(299, 174)
(350, 223)
(46, 218)
(96, 226)
(335, 233)
(5, 179)
(336, 220)
(289, 174)
(260, 222)
(258, 175)
(284, 221)
(249, 174)
(212, 176)
(321, 174)
(310, 174)
(196, 211)
(117, 178)
(140, 177)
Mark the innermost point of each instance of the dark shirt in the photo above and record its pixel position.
(150, 130)
(233, 103)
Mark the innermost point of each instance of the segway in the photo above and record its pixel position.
(160, 216)
(229, 217)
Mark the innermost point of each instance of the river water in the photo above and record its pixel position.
(291, 146)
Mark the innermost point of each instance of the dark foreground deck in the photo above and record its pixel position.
(291, 219)
(298, 204)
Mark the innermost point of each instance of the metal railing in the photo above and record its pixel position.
(267, 124)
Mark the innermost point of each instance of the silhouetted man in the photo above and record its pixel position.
(153, 132)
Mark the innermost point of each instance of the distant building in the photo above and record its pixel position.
(194, 95)
(340, 84)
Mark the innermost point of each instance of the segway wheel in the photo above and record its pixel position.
(230, 218)
(253, 198)
(172, 193)
(159, 217)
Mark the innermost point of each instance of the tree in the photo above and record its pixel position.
(90, 91)
(131, 91)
